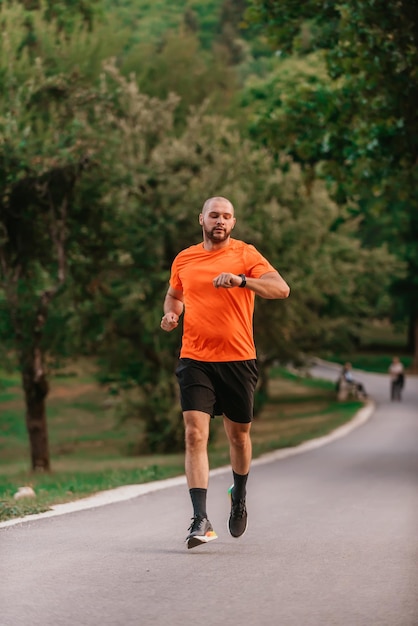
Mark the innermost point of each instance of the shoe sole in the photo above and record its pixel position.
(227, 524)
(193, 542)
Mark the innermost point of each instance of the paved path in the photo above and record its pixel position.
(332, 540)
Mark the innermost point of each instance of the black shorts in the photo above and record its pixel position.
(221, 388)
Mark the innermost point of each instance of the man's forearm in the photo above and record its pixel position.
(271, 287)
(173, 305)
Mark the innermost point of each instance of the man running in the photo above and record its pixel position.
(215, 283)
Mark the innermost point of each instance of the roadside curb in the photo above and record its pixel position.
(360, 418)
(128, 492)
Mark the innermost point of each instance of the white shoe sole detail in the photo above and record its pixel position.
(193, 542)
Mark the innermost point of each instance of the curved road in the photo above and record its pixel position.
(332, 540)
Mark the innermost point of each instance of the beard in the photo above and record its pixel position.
(217, 234)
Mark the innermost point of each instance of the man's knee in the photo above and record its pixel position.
(196, 429)
(194, 437)
(240, 442)
(238, 434)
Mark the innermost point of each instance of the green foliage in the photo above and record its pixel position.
(179, 65)
(65, 14)
(293, 25)
(336, 284)
(290, 109)
(149, 22)
(78, 56)
(306, 236)
(44, 150)
(361, 124)
(110, 141)
(47, 139)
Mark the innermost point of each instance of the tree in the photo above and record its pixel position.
(289, 111)
(159, 200)
(101, 188)
(179, 64)
(46, 144)
(65, 14)
(368, 144)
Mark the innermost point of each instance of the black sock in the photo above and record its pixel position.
(198, 497)
(239, 491)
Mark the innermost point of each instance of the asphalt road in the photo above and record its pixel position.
(332, 540)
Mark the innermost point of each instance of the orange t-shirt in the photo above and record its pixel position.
(218, 323)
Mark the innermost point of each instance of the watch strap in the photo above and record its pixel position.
(244, 280)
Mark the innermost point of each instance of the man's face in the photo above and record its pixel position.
(218, 221)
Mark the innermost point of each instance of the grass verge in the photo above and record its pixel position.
(372, 362)
(91, 451)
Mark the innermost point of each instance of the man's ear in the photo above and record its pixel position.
(201, 219)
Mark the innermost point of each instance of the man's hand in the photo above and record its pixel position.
(227, 280)
(270, 285)
(169, 321)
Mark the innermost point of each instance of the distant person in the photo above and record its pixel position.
(347, 376)
(215, 282)
(397, 378)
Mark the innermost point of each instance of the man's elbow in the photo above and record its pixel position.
(285, 291)
(280, 293)
(282, 290)
(276, 289)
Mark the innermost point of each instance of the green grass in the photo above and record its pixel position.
(91, 450)
(316, 383)
(379, 342)
(382, 336)
(369, 362)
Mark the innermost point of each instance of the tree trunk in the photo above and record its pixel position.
(36, 388)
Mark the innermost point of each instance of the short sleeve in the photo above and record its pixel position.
(256, 264)
(175, 281)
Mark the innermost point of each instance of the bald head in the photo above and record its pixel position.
(210, 202)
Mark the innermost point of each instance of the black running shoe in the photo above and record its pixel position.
(238, 520)
(201, 531)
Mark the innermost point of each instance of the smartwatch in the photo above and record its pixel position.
(244, 280)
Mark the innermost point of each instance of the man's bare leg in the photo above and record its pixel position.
(197, 473)
(196, 425)
(240, 447)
